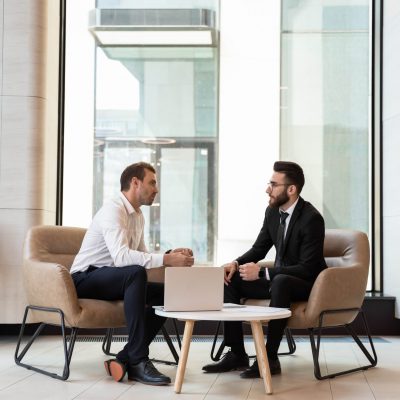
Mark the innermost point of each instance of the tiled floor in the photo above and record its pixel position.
(88, 380)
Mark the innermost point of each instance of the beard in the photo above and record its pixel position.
(279, 200)
(147, 200)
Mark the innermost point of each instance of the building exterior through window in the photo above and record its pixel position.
(212, 100)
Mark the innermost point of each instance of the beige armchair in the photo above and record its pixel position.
(52, 300)
(336, 297)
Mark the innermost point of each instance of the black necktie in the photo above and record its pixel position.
(280, 239)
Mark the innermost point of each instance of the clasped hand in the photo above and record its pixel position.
(183, 250)
(248, 272)
(180, 257)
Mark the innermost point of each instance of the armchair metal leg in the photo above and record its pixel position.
(178, 337)
(217, 356)
(290, 342)
(315, 345)
(171, 347)
(106, 345)
(68, 349)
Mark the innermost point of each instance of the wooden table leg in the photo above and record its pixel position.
(262, 359)
(187, 338)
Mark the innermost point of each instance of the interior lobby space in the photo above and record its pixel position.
(210, 94)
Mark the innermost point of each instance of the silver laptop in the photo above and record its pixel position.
(194, 289)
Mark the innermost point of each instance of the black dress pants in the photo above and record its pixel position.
(130, 285)
(282, 290)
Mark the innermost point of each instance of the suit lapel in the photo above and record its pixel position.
(293, 218)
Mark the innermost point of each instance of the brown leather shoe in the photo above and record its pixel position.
(115, 368)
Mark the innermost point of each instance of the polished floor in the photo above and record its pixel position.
(88, 380)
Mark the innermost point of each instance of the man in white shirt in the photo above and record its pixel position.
(112, 263)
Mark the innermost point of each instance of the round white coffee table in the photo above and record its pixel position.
(253, 314)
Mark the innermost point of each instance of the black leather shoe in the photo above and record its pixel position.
(253, 371)
(229, 362)
(145, 372)
(115, 368)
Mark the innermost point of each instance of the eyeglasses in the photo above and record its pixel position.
(273, 185)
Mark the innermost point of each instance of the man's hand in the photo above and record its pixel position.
(185, 251)
(229, 270)
(178, 259)
(249, 271)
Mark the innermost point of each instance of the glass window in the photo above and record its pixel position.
(325, 105)
(159, 105)
(156, 104)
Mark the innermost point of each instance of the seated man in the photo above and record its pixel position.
(297, 231)
(111, 265)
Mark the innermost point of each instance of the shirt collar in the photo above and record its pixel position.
(128, 206)
(291, 208)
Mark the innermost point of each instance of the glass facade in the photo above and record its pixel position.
(167, 105)
(159, 105)
(325, 105)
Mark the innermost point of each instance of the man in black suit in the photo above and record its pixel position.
(297, 231)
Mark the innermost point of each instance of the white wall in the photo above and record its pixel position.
(28, 135)
(248, 119)
(391, 150)
(79, 116)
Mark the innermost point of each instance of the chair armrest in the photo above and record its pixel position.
(51, 285)
(266, 264)
(337, 288)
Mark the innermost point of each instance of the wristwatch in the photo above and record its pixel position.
(261, 272)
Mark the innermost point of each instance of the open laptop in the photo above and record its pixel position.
(193, 289)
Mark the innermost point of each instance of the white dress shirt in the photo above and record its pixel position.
(290, 212)
(115, 238)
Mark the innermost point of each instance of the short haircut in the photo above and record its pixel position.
(137, 170)
(293, 173)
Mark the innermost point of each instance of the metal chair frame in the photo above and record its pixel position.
(68, 348)
(69, 343)
(315, 341)
(106, 345)
(315, 344)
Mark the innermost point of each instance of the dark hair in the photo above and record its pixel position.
(137, 170)
(293, 173)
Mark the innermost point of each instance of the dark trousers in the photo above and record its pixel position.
(130, 285)
(282, 290)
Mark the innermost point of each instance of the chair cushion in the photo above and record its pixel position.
(101, 314)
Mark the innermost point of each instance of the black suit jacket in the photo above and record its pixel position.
(303, 246)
